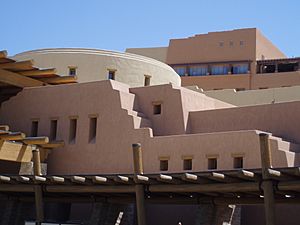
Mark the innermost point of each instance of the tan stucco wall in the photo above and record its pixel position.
(121, 113)
(265, 49)
(158, 53)
(93, 65)
(205, 47)
(278, 119)
(254, 97)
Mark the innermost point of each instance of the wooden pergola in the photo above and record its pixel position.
(255, 186)
(15, 75)
(16, 147)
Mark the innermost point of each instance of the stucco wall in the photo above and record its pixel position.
(158, 53)
(280, 119)
(120, 110)
(93, 65)
(206, 47)
(255, 97)
(265, 49)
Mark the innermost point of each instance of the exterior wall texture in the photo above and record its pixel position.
(187, 127)
(158, 53)
(93, 65)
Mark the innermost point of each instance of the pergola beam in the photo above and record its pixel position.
(15, 66)
(18, 80)
(37, 72)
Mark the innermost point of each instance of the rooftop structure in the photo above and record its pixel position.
(94, 65)
(238, 59)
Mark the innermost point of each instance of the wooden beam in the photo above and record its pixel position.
(60, 80)
(78, 179)
(89, 189)
(39, 205)
(38, 72)
(12, 136)
(56, 179)
(206, 188)
(19, 65)
(15, 152)
(53, 144)
(18, 80)
(4, 127)
(36, 140)
(267, 184)
(121, 179)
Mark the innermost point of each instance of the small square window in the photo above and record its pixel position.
(187, 164)
(164, 165)
(238, 162)
(221, 43)
(111, 74)
(157, 109)
(72, 71)
(212, 163)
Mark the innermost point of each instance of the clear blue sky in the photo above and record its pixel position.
(118, 24)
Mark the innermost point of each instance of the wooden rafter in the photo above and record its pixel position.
(39, 73)
(17, 66)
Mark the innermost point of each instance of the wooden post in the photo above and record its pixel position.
(267, 184)
(38, 194)
(139, 188)
(37, 170)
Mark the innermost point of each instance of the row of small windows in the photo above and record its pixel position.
(231, 43)
(111, 75)
(212, 164)
(212, 70)
(72, 129)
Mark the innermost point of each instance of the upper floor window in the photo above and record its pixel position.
(72, 70)
(53, 129)
(111, 74)
(93, 129)
(230, 43)
(198, 70)
(219, 70)
(73, 130)
(221, 43)
(181, 71)
(242, 43)
(240, 69)
(147, 80)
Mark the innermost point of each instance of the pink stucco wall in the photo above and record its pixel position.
(125, 116)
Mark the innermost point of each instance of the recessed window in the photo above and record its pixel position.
(242, 43)
(147, 80)
(212, 163)
(34, 128)
(111, 74)
(221, 43)
(72, 70)
(73, 130)
(53, 129)
(156, 109)
(238, 162)
(164, 164)
(231, 43)
(93, 130)
(187, 164)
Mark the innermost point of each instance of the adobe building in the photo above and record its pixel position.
(240, 59)
(128, 142)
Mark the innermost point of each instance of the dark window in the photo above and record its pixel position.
(181, 71)
(187, 164)
(73, 130)
(238, 162)
(212, 163)
(53, 130)
(231, 43)
(93, 130)
(221, 43)
(111, 75)
(147, 81)
(72, 71)
(242, 43)
(34, 128)
(164, 165)
(157, 109)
